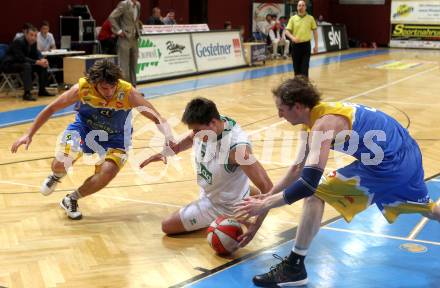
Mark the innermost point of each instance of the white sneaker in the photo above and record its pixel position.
(71, 207)
(49, 184)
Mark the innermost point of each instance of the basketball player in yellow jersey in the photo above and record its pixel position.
(102, 125)
(387, 171)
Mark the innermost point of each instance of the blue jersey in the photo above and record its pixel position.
(376, 132)
(96, 113)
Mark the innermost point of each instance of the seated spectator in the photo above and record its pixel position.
(242, 32)
(107, 38)
(45, 40)
(227, 25)
(155, 18)
(170, 18)
(264, 26)
(277, 37)
(23, 57)
(283, 21)
(321, 21)
(25, 27)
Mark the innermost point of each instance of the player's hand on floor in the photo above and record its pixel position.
(25, 139)
(155, 158)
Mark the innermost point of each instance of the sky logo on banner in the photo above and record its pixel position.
(237, 46)
(335, 38)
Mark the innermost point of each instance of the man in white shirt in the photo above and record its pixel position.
(277, 37)
(45, 40)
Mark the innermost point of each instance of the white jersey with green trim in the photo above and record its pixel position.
(222, 183)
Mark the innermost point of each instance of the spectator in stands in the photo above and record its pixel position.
(25, 27)
(227, 25)
(242, 32)
(107, 38)
(283, 21)
(23, 57)
(277, 37)
(155, 18)
(265, 26)
(321, 21)
(170, 18)
(127, 25)
(45, 40)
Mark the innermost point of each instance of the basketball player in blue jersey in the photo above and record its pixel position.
(387, 171)
(224, 165)
(102, 125)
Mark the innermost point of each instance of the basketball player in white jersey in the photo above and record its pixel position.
(224, 164)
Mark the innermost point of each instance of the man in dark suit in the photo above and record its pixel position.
(23, 57)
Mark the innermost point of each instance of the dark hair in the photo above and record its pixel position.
(297, 90)
(226, 24)
(27, 25)
(200, 111)
(30, 28)
(104, 71)
(45, 23)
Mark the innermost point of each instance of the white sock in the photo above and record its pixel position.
(302, 252)
(75, 195)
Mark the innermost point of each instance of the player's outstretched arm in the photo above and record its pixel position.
(64, 100)
(320, 139)
(184, 144)
(242, 155)
(295, 170)
(137, 101)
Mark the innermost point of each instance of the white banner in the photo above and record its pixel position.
(179, 28)
(217, 50)
(425, 12)
(162, 56)
(321, 42)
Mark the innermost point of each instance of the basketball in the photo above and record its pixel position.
(222, 235)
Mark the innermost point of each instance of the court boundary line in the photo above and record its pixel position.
(349, 57)
(254, 254)
(246, 257)
(379, 235)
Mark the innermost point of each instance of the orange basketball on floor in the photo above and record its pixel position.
(223, 233)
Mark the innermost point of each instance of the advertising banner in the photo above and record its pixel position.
(217, 50)
(426, 12)
(179, 28)
(335, 37)
(321, 43)
(163, 56)
(415, 24)
(415, 36)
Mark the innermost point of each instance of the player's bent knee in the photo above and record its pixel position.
(58, 166)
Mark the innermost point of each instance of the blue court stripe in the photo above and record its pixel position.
(20, 116)
(344, 260)
(341, 259)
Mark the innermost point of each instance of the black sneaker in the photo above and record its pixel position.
(283, 274)
(27, 96)
(71, 207)
(45, 93)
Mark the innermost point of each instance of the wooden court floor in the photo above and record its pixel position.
(119, 242)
